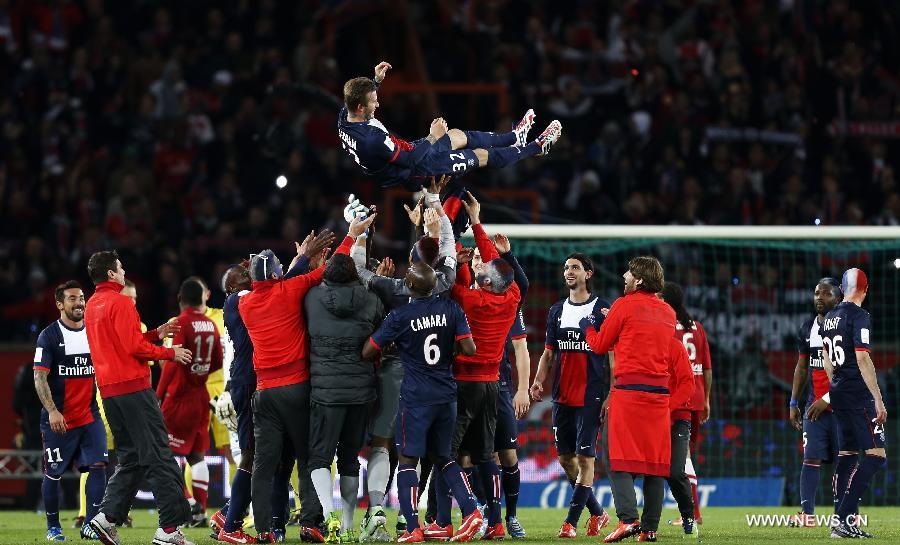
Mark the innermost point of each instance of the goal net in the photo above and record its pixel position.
(752, 288)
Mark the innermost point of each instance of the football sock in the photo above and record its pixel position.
(859, 483)
(511, 480)
(845, 467)
(431, 506)
(576, 506)
(692, 478)
(592, 504)
(488, 140)
(321, 479)
(809, 481)
(452, 477)
(349, 489)
(379, 471)
(425, 474)
(490, 481)
(188, 479)
(200, 482)
(407, 484)
(475, 484)
(82, 497)
(240, 500)
(94, 488)
(443, 499)
(50, 490)
(503, 157)
(295, 485)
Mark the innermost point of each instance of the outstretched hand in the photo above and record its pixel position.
(438, 128)
(359, 225)
(381, 71)
(438, 185)
(464, 255)
(415, 213)
(386, 268)
(473, 208)
(502, 244)
(314, 244)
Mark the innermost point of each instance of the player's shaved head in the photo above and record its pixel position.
(421, 279)
(235, 279)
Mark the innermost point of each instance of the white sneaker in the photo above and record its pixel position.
(522, 127)
(106, 530)
(549, 137)
(161, 537)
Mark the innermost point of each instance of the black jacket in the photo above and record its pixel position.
(340, 318)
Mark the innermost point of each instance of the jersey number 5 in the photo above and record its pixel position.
(835, 352)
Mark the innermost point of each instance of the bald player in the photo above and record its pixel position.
(427, 331)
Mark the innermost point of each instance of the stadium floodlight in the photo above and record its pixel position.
(281, 181)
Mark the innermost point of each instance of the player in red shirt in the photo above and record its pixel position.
(273, 315)
(491, 308)
(692, 335)
(182, 390)
(640, 326)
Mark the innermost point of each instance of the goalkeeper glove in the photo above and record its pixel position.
(225, 412)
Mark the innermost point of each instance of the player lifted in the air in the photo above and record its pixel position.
(394, 161)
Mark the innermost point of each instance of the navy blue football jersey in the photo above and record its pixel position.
(241, 371)
(381, 155)
(425, 332)
(845, 332)
(581, 375)
(65, 355)
(517, 331)
(809, 344)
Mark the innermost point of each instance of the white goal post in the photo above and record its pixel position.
(694, 232)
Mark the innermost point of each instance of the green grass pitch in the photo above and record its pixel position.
(721, 525)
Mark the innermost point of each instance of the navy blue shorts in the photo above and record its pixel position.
(79, 447)
(240, 397)
(443, 159)
(857, 430)
(423, 430)
(506, 435)
(575, 428)
(820, 441)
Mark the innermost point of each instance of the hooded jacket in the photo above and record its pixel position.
(340, 318)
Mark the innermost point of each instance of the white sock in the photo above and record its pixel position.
(349, 490)
(200, 475)
(379, 472)
(321, 479)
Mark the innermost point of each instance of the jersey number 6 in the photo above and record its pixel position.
(432, 351)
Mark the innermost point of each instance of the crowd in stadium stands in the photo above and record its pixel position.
(158, 128)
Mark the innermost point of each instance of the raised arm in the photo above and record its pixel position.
(505, 249)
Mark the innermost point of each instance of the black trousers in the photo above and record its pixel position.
(340, 428)
(280, 420)
(142, 447)
(476, 420)
(678, 479)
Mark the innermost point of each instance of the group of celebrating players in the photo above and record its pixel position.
(334, 351)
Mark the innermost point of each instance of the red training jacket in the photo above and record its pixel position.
(118, 348)
(273, 314)
(200, 335)
(681, 381)
(639, 326)
(490, 316)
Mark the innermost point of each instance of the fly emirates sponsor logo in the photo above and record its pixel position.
(81, 366)
(573, 342)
